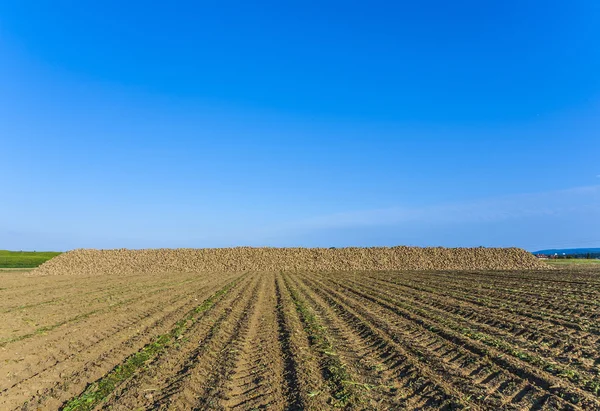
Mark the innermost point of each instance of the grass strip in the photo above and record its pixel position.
(335, 372)
(24, 259)
(98, 391)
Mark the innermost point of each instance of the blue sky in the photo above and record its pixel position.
(206, 124)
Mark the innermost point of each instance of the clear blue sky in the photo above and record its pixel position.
(144, 124)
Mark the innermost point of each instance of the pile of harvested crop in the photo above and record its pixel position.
(240, 259)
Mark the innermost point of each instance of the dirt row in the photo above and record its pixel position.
(311, 340)
(243, 259)
(50, 350)
(466, 339)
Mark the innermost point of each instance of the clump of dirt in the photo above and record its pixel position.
(241, 259)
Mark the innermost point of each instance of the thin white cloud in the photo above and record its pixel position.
(552, 203)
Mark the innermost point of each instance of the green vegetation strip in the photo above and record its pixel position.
(25, 259)
(101, 389)
(342, 388)
(573, 261)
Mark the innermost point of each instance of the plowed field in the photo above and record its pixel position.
(514, 340)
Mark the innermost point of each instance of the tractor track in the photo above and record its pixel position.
(303, 340)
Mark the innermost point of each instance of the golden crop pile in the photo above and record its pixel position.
(240, 259)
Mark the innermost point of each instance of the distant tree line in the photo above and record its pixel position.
(582, 255)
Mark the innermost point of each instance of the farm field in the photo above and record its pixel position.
(526, 340)
(574, 263)
(24, 259)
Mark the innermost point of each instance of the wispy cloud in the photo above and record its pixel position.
(552, 203)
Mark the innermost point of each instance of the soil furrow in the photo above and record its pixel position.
(453, 335)
(586, 379)
(306, 386)
(502, 302)
(166, 372)
(79, 347)
(501, 299)
(422, 381)
(85, 360)
(257, 380)
(367, 372)
(198, 385)
(302, 338)
(552, 346)
(288, 351)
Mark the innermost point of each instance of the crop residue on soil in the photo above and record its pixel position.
(241, 259)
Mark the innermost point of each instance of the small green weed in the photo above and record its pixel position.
(101, 389)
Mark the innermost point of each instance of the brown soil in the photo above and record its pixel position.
(241, 259)
(292, 340)
(59, 333)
